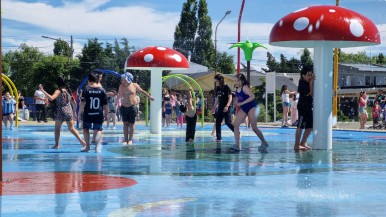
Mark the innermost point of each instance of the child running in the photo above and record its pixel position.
(247, 104)
(94, 102)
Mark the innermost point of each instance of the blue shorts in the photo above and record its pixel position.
(286, 104)
(92, 126)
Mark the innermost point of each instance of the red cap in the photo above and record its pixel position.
(317, 25)
(157, 57)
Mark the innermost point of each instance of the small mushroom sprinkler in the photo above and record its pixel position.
(156, 59)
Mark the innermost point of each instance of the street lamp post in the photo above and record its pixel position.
(215, 41)
(69, 47)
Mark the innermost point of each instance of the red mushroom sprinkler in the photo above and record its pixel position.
(323, 28)
(156, 59)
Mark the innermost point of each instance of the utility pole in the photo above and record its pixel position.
(72, 48)
(215, 47)
(215, 41)
(68, 45)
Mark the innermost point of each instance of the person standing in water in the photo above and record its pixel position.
(128, 95)
(247, 104)
(305, 108)
(94, 107)
(191, 119)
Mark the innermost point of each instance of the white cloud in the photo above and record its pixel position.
(84, 18)
(142, 26)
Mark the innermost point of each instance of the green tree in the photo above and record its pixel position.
(305, 58)
(225, 63)
(48, 70)
(203, 52)
(91, 57)
(380, 59)
(62, 48)
(359, 57)
(271, 63)
(283, 65)
(185, 32)
(121, 54)
(19, 67)
(293, 65)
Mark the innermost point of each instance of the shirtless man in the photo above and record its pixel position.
(128, 94)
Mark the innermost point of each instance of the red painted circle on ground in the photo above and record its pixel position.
(23, 183)
(378, 137)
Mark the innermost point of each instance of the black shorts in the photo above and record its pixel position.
(305, 120)
(92, 126)
(129, 114)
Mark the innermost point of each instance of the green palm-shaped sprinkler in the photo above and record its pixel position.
(248, 48)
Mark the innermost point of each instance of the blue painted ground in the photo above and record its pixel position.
(204, 178)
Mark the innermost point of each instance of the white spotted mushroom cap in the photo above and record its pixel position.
(324, 25)
(156, 57)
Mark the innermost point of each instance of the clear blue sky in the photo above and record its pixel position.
(152, 22)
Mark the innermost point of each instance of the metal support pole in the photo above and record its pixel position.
(239, 35)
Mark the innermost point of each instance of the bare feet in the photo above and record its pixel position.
(55, 147)
(98, 148)
(83, 143)
(263, 146)
(130, 142)
(305, 145)
(300, 147)
(87, 149)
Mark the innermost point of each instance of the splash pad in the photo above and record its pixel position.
(174, 178)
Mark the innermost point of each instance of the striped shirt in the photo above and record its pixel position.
(9, 106)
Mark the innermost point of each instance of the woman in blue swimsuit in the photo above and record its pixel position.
(247, 104)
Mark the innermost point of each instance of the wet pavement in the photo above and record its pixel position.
(164, 176)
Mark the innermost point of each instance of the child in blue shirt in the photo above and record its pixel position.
(8, 110)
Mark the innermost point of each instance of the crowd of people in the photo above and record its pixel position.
(231, 107)
(98, 105)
